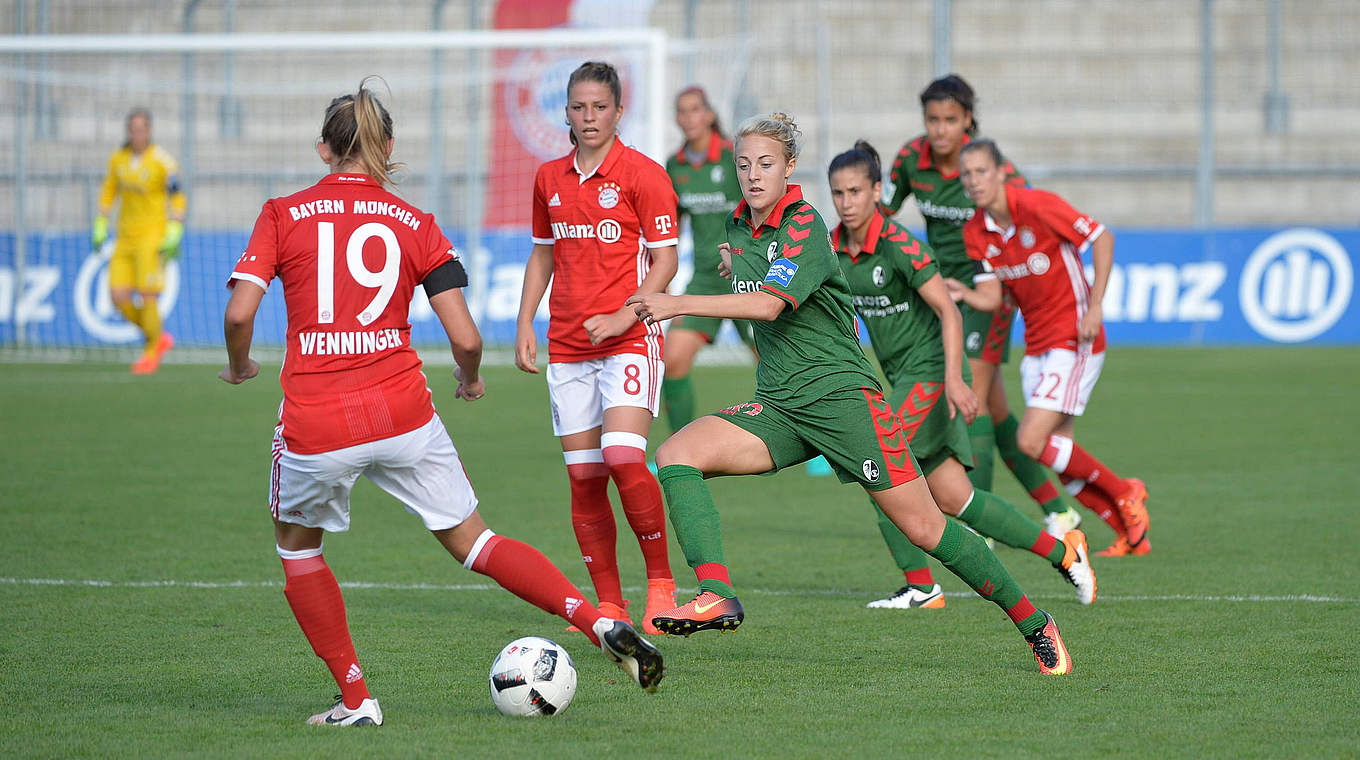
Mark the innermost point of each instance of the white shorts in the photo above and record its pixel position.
(420, 468)
(1060, 379)
(579, 392)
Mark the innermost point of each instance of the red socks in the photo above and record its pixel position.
(1095, 501)
(523, 571)
(1065, 457)
(592, 519)
(625, 454)
(314, 595)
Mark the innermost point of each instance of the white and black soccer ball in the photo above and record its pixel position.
(532, 676)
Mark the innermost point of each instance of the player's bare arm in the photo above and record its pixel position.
(602, 327)
(958, 394)
(983, 296)
(1102, 259)
(656, 307)
(238, 327)
(464, 340)
(537, 274)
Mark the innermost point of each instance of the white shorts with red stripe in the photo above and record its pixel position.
(1060, 379)
(420, 468)
(579, 392)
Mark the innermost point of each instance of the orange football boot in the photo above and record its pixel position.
(660, 598)
(1049, 649)
(150, 360)
(1133, 509)
(706, 612)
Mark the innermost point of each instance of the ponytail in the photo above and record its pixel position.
(862, 155)
(357, 128)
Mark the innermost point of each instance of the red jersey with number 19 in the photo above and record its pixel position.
(349, 254)
(1039, 260)
(601, 227)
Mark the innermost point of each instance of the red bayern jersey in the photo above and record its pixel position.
(601, 227)
(349, 255)
(1039, 260)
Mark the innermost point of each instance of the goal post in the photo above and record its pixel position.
(475, 113)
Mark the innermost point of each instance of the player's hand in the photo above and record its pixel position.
(229, 375)
(602, 327)
(174, 233)
(725, 260)
(961, 399)
(651, 308)
(1088, 327)
(468, 390)
(956, 289)
(526, 350)
(100, 233)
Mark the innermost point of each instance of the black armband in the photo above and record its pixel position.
(446, 276)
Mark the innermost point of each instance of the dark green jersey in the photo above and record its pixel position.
(942, 201)
(811, 348)
(708, 192)
(884, 278)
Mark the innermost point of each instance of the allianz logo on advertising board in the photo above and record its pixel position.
(1295, 285)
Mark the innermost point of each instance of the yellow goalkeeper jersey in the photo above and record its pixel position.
(142, 185)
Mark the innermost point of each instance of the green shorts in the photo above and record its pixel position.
(709, 326)
(856, 430)
(987, 334)
(933, 436)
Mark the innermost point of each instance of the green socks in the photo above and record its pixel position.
(910, 558)
(694, 516)
(993, 516)
(982, 437)
(677, 396)
(966, 556)
(1032, 475)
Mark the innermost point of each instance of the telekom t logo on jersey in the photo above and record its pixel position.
(664, 223)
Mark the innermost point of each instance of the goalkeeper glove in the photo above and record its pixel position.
(174, 232)
(100, 233)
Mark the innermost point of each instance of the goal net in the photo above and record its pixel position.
(474, 115)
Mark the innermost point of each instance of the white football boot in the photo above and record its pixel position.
(366, 714)
(1056, 524)
(909, 597)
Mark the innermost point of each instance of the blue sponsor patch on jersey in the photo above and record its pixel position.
(782, 272)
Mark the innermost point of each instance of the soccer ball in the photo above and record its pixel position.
(532, 676)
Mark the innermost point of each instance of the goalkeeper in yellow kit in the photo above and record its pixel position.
(143, 178)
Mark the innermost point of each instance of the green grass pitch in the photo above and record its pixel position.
(120, 494)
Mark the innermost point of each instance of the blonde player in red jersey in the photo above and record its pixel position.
(604, 229)
(355, 402)
(1034, 241)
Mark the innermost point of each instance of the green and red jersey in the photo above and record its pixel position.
(885, 277)
(707, 191)
(942, 201)
(811, 348)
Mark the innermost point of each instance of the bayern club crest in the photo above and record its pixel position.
(609, 195)
(1037, 262)
(1027, 237)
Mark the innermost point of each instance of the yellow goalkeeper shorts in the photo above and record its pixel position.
(137, 264)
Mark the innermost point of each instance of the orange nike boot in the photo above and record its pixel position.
(706, 612)
(660, 598)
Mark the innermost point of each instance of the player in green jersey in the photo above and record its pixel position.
(705, 181)
(917, 334)
(815, 394)
(928, 168)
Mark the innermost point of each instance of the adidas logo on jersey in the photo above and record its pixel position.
(572, 603)
(554, 201)
(354, 674)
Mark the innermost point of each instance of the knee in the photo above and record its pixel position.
(1031, 443)
(623, 451)
(121, 297)
(676, 450)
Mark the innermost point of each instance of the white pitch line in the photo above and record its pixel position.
(1232, 598)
